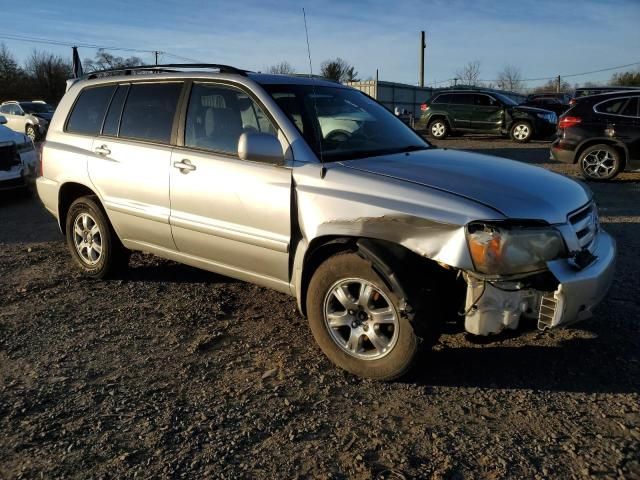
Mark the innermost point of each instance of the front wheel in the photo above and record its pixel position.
(521, 132)
(600, 162)
(91, 240)
(31, 132)
(357, 320)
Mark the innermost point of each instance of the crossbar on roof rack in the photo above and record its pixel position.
(168, 67)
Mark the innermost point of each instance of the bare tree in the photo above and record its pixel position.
(105, 60)
(510, 78)
(469, 74)
(10, 74)
(339, 70)
(552, 86)
(626, 79)
(282, 68)
(48, 74)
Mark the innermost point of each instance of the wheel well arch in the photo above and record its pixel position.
(68, 193)
(402, 270)
(622, 150)
(439, 116)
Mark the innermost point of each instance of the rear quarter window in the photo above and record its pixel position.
(612, 107)
(89, 110)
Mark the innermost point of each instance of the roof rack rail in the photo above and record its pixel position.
(165, 68)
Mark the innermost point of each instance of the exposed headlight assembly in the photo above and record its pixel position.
(500, 248)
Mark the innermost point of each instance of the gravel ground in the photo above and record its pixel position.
(172, 372)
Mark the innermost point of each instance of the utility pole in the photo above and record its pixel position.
(455, 82)
(423, 45)
(156, 52)
(558, 85)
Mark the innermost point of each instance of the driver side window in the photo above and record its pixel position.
(217, 115)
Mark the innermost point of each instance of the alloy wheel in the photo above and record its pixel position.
(521, 131)
(361, 319)
(87, 238)
(438, 129)
(598, 164)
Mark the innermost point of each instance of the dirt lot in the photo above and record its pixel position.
(174, 372)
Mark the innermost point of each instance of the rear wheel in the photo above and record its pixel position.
(439, 129)
(357, 320)
(600, 162)
(521, 131)
(91, 240)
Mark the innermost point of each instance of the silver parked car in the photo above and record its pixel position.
(18, 159)
(31, 118)
(378, 234)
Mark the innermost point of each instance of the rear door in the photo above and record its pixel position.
(233, 214)
(129, 164)
(487, 113)
(461, 109)
(628, 128)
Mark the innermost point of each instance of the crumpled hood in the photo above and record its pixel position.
(45, 116)
(528, 109)
(514, 189)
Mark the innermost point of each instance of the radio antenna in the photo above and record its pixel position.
(316, 124)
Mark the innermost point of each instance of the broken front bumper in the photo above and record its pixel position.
(493, 306)
(579, 291)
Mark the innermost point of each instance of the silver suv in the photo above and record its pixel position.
(379, 235)
(31, 118)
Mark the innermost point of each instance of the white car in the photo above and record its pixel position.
(18, 159)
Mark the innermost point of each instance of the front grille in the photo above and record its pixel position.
(585, 224)
(8, 156)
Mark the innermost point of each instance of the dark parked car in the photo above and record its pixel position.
(557, 103)
(478, 111)
(588, 91)
(602, 134)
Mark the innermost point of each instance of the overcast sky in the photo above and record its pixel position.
(542, 38)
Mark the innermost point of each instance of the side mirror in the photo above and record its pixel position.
(3, 119)
(260, 147)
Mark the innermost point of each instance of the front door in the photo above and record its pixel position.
(233, 214)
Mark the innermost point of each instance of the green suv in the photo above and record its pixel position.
(479, 111)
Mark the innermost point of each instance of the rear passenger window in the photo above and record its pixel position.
(149, 111)
(631, 110)
(89, 110)
(462, 99)
(112, 122)
(611, 106)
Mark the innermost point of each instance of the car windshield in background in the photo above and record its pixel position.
(343, 124)
(504, 99)
(31, 107)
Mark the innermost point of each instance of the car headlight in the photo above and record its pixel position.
(506, 249)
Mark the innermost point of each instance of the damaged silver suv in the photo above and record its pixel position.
(316, 190)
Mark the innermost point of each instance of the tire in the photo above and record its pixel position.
(521, 131)
(600, 162)
(30, 131)
(380, 351)
(93, 243)
(438, 128)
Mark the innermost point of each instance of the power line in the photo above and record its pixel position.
(47, 41)
(24, 38)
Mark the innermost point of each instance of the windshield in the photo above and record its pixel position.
(31, 107)
(341, 123)
(504, 99)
